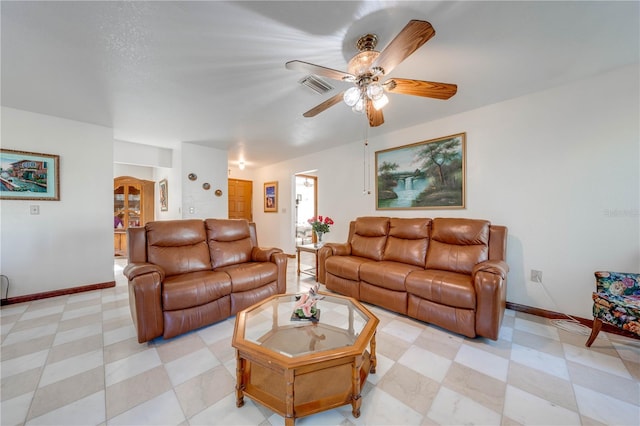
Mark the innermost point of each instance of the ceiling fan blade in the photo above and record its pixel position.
(375, 115)
(324, 105)
(413, 35)
(319, 70)
(428, 89)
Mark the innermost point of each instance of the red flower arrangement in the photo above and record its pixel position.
(321, 223)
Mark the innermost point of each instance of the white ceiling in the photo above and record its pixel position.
(213, 73)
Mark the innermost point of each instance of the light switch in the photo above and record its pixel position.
(34, 209)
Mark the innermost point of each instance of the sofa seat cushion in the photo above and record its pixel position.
(345, 266)
(389, 275)
(443, 287)
(250, 275)
(194, 289)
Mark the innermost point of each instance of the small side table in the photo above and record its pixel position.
(309, 248)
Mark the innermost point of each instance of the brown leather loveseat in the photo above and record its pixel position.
(186, 274)
(449, 272)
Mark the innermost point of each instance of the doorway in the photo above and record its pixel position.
(306, 207)
(240, 194)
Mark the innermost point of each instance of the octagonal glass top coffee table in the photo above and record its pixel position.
(299, 367)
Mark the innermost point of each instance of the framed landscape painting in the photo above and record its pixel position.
(29, 176)
(423, 175)
(271, 197)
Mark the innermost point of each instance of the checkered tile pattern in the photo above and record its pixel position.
(75, 360)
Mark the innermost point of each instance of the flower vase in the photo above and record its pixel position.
(319, 238)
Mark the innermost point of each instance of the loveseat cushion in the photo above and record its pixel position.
(178, 246)
(249, 276)
(370, 237)
(443, 287)
(194, 289)
(407, 241)
(385, 274)
(229, 241)
(458, 244)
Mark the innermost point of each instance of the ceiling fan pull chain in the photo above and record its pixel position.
(366, 164)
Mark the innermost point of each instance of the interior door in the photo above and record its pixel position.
(240, 195)
(306, 207)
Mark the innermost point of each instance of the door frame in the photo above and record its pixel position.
(314, 178)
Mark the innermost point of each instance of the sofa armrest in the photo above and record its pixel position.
(264, 254)
(490, 283)
(145, 299)
(497, 267)
(328, 250)
(133, 270)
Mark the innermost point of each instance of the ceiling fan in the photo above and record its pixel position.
(366, 69)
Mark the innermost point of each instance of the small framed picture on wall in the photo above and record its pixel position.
(271, 196)
(164, 196)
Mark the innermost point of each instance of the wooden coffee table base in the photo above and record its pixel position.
(302, 390)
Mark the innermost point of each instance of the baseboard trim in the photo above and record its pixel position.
(558, 315)
(55, 293)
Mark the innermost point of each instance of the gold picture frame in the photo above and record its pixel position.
(270, 197)
(424, 175)
(29, 176)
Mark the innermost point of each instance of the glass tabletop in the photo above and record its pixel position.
(271, 326)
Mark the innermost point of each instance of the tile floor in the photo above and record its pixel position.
(75, 360)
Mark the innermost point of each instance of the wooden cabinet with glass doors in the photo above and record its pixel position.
(132, 206)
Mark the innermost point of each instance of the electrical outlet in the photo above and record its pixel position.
(536, 276)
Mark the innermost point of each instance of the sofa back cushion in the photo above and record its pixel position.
(408, 241)
(178, 246)
(458, 244)
(229, 241)
(370, 237)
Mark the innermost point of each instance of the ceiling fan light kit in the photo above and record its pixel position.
(366, 68)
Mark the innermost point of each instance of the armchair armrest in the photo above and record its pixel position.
(328, 250)
(133, 270)
(280, 259)
(490, 283)
(264, 254)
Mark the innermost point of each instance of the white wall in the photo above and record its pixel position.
(141, 155)
(70, 243)
(560, 168)
(210, 166)
(140, 172)
(174, 187)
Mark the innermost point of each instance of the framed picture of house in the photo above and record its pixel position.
(29, 176)
(271, 196)
(164, 195)
(423, 175)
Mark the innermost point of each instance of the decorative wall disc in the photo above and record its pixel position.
(218, 192)
(192, 176)
(206, 186)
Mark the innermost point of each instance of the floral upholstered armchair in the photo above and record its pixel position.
(616, 301)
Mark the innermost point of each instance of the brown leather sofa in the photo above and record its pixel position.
(186, 274)
(449, 272)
